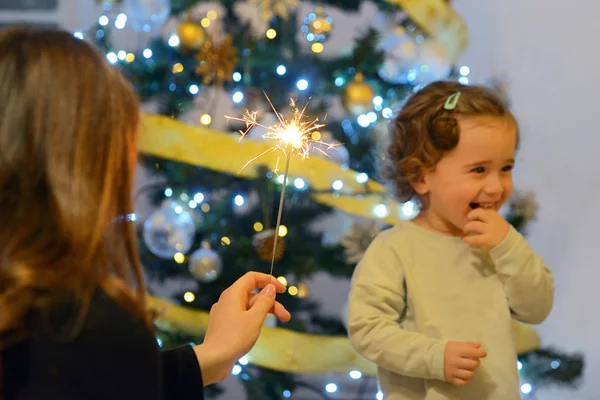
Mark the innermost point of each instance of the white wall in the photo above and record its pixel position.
(548, 49)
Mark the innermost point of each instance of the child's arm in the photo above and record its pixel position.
(528, 283)
(375, 305)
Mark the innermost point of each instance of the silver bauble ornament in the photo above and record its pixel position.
(169, 230)
(205, 264)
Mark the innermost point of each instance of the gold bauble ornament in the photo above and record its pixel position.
(358, 96)
(317, 26)
(302, 290)
(263, 243)
(191, 35)
(216, 60)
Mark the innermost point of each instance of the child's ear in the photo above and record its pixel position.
(420, 185)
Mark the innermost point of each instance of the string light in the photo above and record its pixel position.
(205, 207)
(387, 112)
(192, 204)
(283, 280)
(271, 33)
(317, 47)
(179, 258)
(362, 178)
(237, 97)
(205, 119)
(236, 370)
(355, 374)
(465, 70)
(283, 230)
(281, 70)
(121, 21)
(122, 54)
(236, 77)
(225, 241)
(78, 35)
(212, 15)
(363, 120)
(173, 41)
(243, 360)
(177, 68)
(302, 84)
(194, 89)
(189, 297)
(331, 388)
(130, 57)
(293, 290)
(111, 57)
(168, 192)
(408, 209)
(147, 53)
(258, 227)
(239, 200)
(198, 197)
(103, 20)
(380, 210)
(299, 183)
(205, 22)
(337, 184)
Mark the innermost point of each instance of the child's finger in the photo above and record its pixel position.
(474, 227)
(474, 240)
(468, 364)
(459, 382)
(464, 374)
(479, 214)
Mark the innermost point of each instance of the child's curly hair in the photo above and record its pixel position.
(424, 131)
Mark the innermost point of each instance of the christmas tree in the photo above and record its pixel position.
(352, 63)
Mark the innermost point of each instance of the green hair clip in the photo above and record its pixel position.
(452, 101)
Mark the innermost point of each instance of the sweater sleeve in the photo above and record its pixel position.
(181, 374)
(376, 303)
(528, 283)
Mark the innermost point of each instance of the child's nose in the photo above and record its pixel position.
(493, 185)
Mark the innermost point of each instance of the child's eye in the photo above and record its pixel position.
(508, 168)
(478, 170)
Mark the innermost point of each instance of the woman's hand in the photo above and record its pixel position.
(235, 323)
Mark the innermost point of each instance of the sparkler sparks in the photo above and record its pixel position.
(296, 136)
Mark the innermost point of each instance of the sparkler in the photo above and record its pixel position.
(295, 136)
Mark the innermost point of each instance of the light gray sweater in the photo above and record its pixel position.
(415, 290)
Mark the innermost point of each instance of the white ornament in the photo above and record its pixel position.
(400, 56)
(145, 15)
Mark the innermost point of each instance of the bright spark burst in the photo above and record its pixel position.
(291, 136)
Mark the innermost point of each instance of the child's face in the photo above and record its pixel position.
(477, 173)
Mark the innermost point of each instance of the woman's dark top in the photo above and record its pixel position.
(114, 357)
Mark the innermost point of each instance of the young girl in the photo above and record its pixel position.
(432, 299)
(71, 324)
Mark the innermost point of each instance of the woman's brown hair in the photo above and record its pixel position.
(425, 130)
(68, 128)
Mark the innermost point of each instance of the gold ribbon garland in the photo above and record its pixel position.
(277, 348)
(198, 145)
(281, 349)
